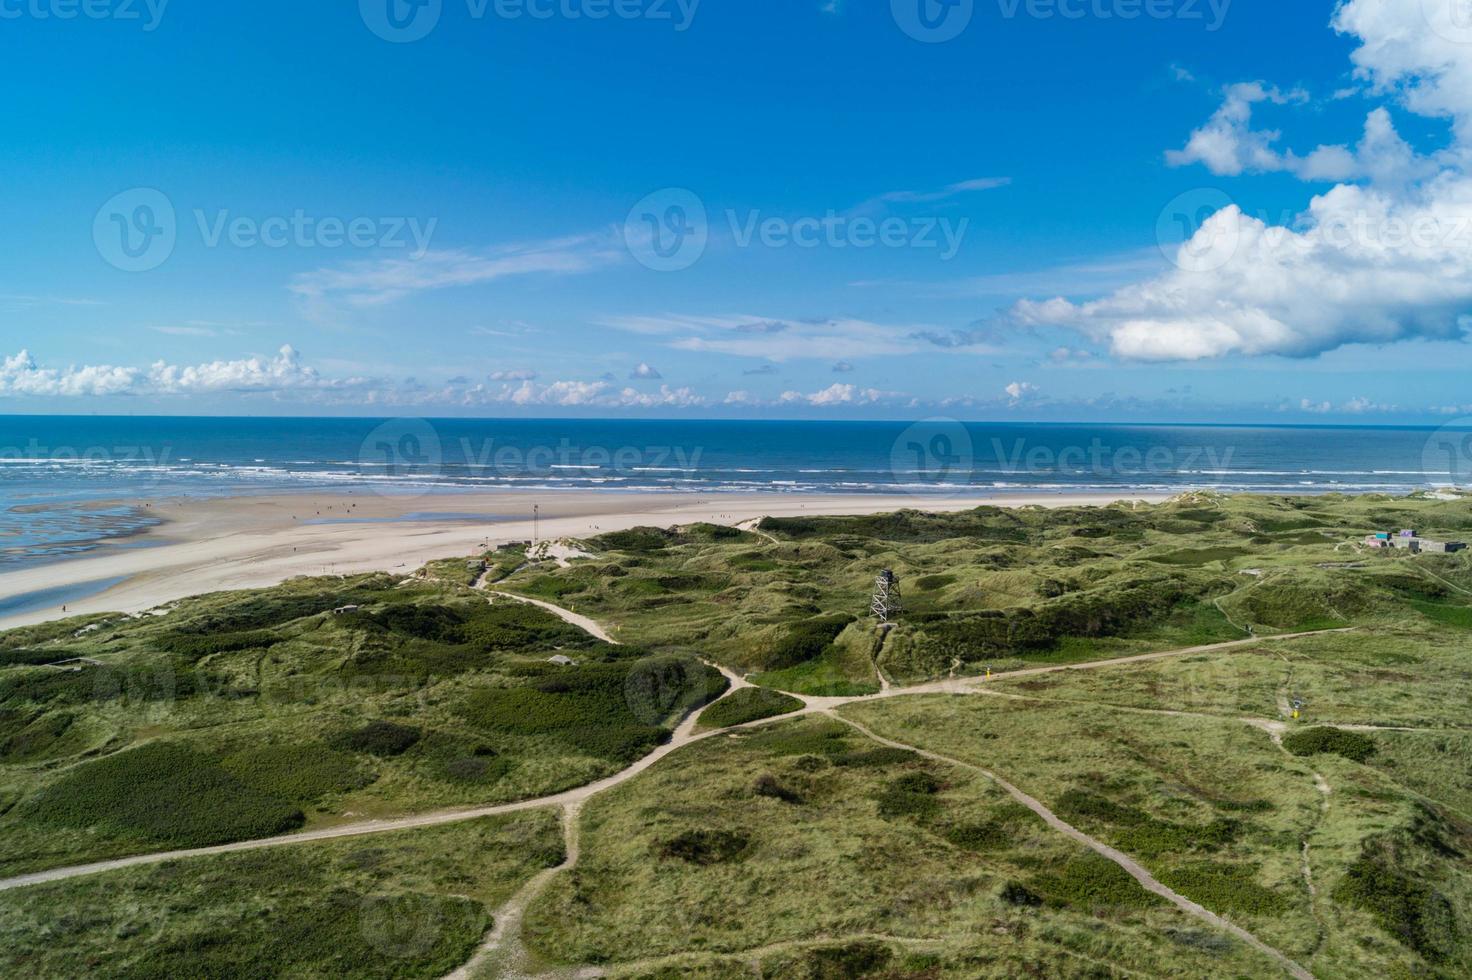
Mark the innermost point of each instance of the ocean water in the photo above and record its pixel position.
(65, 480)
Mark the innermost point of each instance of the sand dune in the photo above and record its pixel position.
(252, 542)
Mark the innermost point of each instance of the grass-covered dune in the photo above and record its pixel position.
(406, 904)
(250, 714)
(1002, 588)
(840, 858)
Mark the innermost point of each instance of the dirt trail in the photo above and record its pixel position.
(503, 950)
(1133, 868)
(684, 735)
(567, 615)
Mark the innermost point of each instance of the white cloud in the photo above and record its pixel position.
(574, 394)
(778, 339)
(1228, 144)
(952, 190)
(1020, 391)
(644, 373)
(1385, 259)
(363, 284)
(521, 375)
(20, 375)
(840, 394)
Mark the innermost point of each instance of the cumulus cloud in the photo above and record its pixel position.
(602, 394)
(1020, 391)
(839, 394)
(524, 374)
(1384, 256)
(644, 373)
(21, 375)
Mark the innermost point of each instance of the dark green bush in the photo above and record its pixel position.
(162, 792)
(1226, 888)
(747, 705)
(804, 641)
(911, 795)
(1407, 907)
(862, 959)
(1015, 893)
(383, 738)
(705, 847)
(1336, 741)
(771, 787)
(1093, 881)
(302, 773)
(615, 711)
(880, 758)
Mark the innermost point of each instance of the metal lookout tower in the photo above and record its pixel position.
(886, 603)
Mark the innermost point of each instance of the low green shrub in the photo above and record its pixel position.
(1333, 741)
(771, 787)
(1405, 905)
(747, 705)
(705, 847)
(303, 773)
(382, 738)
(167, 793)
(1225, 888)
(1091, 881)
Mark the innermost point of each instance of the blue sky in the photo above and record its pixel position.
(289, 208)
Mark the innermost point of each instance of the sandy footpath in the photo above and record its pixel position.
(252, 542)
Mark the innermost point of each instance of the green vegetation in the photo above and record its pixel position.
(250, 714)
(799, 847)
(408, 904)
(169, 794)
(1315, 741)
(747, 705)
(692, 863)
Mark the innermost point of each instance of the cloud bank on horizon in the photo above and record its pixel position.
(1383, 256)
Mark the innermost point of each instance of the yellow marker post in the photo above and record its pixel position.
(1295, 714)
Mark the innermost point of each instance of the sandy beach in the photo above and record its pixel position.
(209, 545)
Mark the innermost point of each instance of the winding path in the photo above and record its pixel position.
(1131, 867)
(503, 942)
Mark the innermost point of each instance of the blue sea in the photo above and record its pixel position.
(67, 482)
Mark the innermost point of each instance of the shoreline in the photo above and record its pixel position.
(230, 543)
